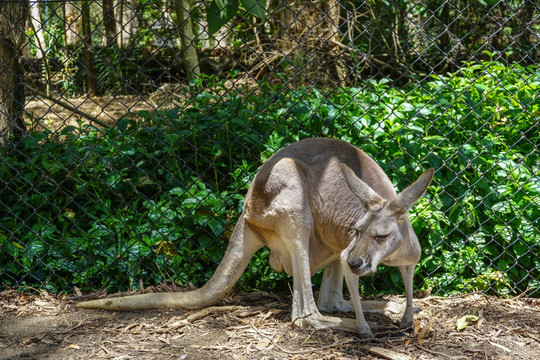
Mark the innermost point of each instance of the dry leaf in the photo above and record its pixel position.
(465, 321)
(263, 344)
(416, 327)
(408, 342)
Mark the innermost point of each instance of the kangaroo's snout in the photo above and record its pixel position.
(360, 265)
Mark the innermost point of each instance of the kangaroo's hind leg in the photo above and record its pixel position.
(331, 292)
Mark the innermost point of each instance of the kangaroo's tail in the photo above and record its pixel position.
(243, 244)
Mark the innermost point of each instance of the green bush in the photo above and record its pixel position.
(156, 197)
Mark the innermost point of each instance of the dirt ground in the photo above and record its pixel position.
(258, 326)
(44, 114)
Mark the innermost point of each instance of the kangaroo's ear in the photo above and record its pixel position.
(370, 199)
(406, 199)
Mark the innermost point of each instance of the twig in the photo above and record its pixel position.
(300, 318)
(500, 346)
(84, 297)
(212, 310)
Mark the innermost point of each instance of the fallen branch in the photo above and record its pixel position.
(71, 108)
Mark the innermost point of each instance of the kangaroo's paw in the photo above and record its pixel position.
(338, 305)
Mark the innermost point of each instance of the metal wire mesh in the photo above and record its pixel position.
(132, 128)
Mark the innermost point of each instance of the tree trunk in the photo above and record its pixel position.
(87, 55)
(109, 22)
(185, 28)
(12, 23)
(35, 18)
(126, 21)
(72, 23)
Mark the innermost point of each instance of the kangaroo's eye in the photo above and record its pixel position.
(381, 237)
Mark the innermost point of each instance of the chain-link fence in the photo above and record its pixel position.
(132, 128)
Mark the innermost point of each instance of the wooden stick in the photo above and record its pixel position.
(387, 354)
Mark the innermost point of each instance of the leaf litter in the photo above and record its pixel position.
(258, 326)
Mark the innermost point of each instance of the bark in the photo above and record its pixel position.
(185, 28)
(109, 22)
(35, 18)
(126, 21)
(87, 54)
(12, 35)
(72, 23)
(202, 34)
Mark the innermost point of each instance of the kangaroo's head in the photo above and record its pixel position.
(380, 233)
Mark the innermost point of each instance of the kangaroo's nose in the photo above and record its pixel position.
(355, 264)
(358, 264)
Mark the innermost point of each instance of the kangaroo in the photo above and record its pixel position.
(316, 203)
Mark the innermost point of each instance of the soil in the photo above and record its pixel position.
(45, 114)
(258, 326)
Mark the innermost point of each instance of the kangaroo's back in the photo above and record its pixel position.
(315, 163)
(323, 156)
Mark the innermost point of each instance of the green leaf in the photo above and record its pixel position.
(256, 7)
(435, 139)
(219, 13)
